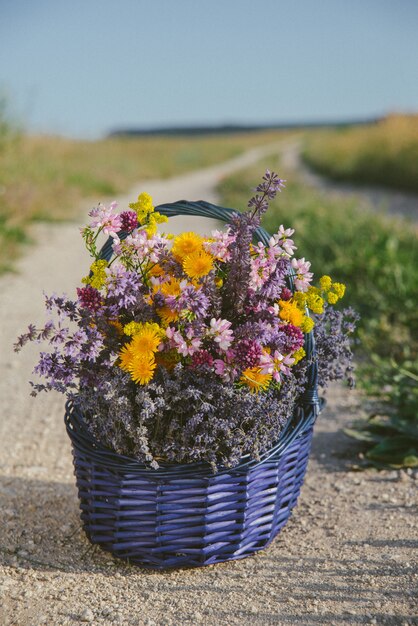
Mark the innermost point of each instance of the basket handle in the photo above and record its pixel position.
(310, 398)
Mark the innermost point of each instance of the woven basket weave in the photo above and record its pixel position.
(185, 515)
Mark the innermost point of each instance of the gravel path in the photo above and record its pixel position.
(345, 557)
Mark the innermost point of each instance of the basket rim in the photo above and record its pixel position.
(301, 421)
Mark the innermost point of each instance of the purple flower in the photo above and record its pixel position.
(129, 221)
(294, 338)
(89, 298)
(247, 353)
(123, 287)
(190, 299)
(202, 358)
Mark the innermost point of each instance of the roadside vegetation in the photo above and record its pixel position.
(47, 177)
(378, 260)
(384, 154)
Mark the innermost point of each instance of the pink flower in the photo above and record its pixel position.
(219, 248)
(221, 333)
(143, 246)
(282, 240)
(106, 219)
(220, 367)
(276, 364)
(186, 346)
(303, 275)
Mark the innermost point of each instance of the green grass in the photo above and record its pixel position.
(46, 178)
(384, 154)
(378, 260)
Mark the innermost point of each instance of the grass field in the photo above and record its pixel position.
(384, 154)
(45, 178)
(378, 260)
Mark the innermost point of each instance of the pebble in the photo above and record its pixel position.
(87, 615)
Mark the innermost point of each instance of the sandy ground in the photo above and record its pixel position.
(347, 556)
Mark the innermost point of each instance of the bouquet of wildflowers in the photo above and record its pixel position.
(190, 348)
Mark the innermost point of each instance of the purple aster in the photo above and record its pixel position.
(190, 299)
(123, 287)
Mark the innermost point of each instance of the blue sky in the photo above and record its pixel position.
(84, 67)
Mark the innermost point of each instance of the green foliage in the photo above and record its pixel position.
(391, 433)
(377, 258)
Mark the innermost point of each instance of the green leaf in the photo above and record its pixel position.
(394, 450)
(362, 435)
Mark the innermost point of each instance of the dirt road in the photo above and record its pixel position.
(346, 556)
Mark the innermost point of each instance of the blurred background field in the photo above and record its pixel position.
(47, 177)
(384, 153)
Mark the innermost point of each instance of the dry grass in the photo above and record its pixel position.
(385, 153)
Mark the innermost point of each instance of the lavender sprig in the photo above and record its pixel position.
(243, 227)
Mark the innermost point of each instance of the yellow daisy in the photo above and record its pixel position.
(170, 288)
(167, 315)
(142, 368)
(198, 264)
(255, 380)
(186, 244)
(145, 341)
(126, 357)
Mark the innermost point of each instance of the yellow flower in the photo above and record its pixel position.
(255, 380)
(142, 369)
(137, 357)
(160, 218)
(146, 339)
(299, 355)
(289, 312)
(167, 315)
(126, 357)
(198, 264)
(186, 244)
(332, 297)
(219, 282)
(314, 301)
(151, 229)
(339, 289)
(156, 270)
(299, 298)
(307, 324)
(325, 282)
(117, 325)
(143, 207)
(170, 288)
(135, 328)
(98, 278)
(132, 328)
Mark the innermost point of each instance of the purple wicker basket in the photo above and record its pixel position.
(185, 515)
